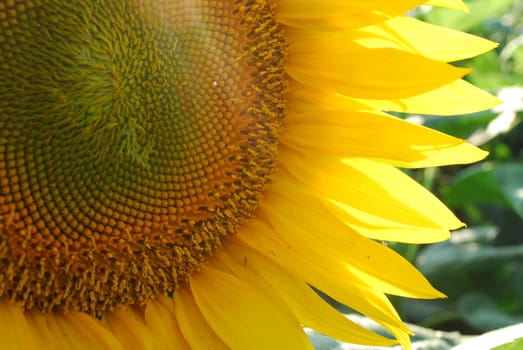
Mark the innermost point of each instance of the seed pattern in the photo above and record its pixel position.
(135, 136)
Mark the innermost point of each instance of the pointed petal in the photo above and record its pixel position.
(415, 36)
(130, 330)
(339, 14)
(15, 331)
(376, 136)
(458, 97)
(43, 334)
(243, 317)
(65, 337)
(374, 193)
(89, 332)
(319, 230)
(194, 327)
(310, 308)
(346, 67)
(160, 318)
(331, 279)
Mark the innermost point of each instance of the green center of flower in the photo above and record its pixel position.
(135, 136)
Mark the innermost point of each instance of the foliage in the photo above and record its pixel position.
(515, 345)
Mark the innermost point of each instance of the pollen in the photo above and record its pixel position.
(135, 136)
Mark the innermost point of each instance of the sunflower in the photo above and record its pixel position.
(181, 173)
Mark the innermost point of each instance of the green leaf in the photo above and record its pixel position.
(467, 263)
(489, 72)
(515, 345)
(460, 126)
(481, 311)
(479, 11)
(489, 184)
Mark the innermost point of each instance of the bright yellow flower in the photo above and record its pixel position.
(178, 173)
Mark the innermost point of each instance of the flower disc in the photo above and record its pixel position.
(135, 136)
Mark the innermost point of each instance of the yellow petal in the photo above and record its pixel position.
(65, 337)
(383, 229)
(337, 283)
(307, 98)
(319, 230)
(378, 199)
(160, 318)
(43, 335)
(243, 317)
(435, 42)
(89, 332)
(194, 327)
(351, 69)
(33, 330)
(375, 136)
(401, 186)
(130, 330)
(458, 97)
(15, 331)
(339, 14)
(311, 310)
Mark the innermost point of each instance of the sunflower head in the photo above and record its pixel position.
(180, 173)
(136, 136)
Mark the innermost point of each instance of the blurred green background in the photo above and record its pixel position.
(481, 267)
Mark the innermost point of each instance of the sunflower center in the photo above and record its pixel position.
(135, 136)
